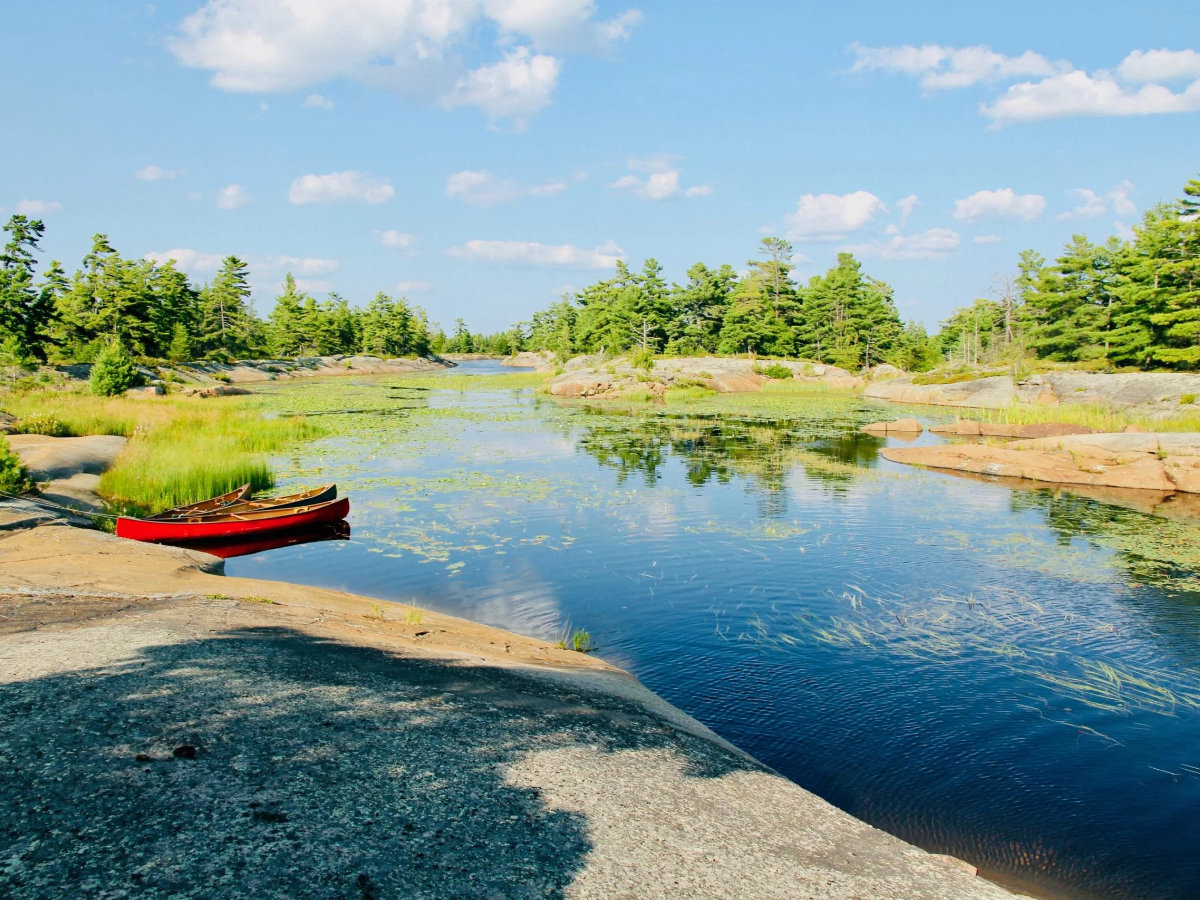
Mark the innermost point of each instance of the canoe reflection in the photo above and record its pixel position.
(227, 548)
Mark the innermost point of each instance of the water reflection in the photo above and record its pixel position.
(1007, 675)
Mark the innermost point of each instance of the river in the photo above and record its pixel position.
(1009, 676)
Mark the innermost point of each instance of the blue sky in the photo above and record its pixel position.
(483, 156)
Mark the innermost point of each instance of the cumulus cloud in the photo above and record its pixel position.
(420, 50)
(316, 101)
(232, 196)
(986, 239)
(661, 179)
(396, 240)
(831, 217)
(906, 206)
(156, 173)
(1160, 65)
(38, 207)
(932, 244)
(516, 87)
(337, 187)
(1047, 90)
(407, 287)
(482, 188)
(527, 253)
(1001, 204)
(299, 265)
(1079, 94)
(1090, 204)
(940, 67)
(191, 261)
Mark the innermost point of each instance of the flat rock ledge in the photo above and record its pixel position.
(1154, 394)
(170, 731)
(591, 377)
(1162, 463)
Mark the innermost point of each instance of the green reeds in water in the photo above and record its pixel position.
(180, 449)
(199, 453)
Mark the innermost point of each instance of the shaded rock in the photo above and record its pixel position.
(147, 390)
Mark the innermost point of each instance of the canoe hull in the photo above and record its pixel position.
(257, 522)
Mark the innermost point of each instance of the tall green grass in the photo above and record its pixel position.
(180, 449)
(1098, 416)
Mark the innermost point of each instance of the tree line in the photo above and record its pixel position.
(843, 317)
(152, 311)
(1124, 303)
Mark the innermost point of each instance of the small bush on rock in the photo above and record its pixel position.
(775, 370)
(113, 372)
(14, 478)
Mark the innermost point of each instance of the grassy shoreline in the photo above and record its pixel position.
(181, 449)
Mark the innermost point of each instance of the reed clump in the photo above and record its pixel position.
(180, 449)
(1097, 416)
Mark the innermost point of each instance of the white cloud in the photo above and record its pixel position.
(482, 188)
(191, 261)
(156, 173)
(1077, 93)
(941, 67)
(1090, 205)
(396, 240)
(831, 217)
(316, 101)
(517, 87)
(314, 285)
(560, 24)
(1000, 204)
(421, 50)
(907, 205)
(38, 207)
(1160, 65)
(1051, 90)
(931, 244)
(299, 265)
(661, 181)
(1119, 196)
(232, 196)
(340, 186)
(986, 239)
(526, 253)
(405, 287)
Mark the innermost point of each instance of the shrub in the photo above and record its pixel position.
(44, 423)
(14, 477)
(1187, 398)
(113, 372)
(642, 358)
(774, 370)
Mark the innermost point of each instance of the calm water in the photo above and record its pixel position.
(1012, 677)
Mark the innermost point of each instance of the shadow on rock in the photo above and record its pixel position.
(266, 762)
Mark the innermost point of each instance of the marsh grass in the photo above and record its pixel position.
(180, 449)
(1097, 416)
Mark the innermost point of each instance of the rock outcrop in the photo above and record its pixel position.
(899, 426)
(1163, 463)
(971, 428)
(541, 360)
(619, 377)
(1155, 394)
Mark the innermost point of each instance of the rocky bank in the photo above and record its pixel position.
(1153, 394)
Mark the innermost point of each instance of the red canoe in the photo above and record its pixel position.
(227, 548)
(213, 504)
(195, 528)
(227, 504)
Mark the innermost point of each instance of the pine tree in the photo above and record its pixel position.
(25, 310)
